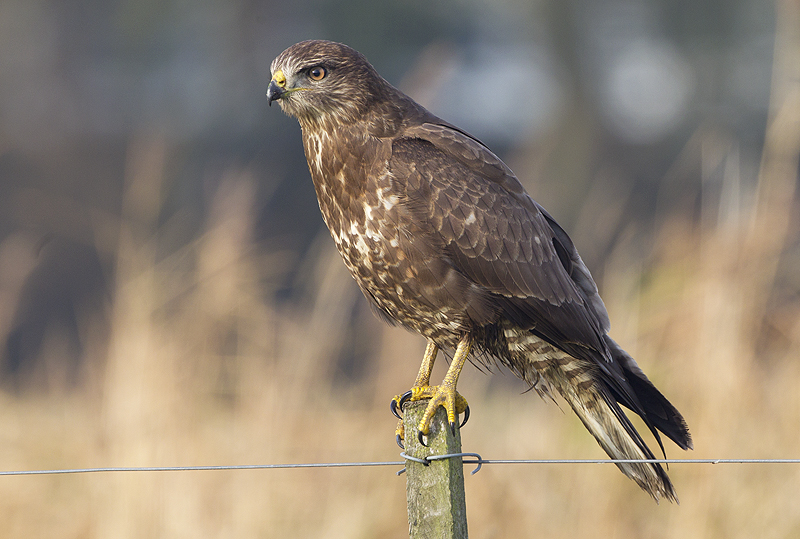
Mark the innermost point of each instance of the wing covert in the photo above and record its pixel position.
(498, 237)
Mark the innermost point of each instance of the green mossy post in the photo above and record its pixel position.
(437, 507)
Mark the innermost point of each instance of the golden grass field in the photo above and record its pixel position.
(202, 368)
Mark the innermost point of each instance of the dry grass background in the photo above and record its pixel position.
(200, 370)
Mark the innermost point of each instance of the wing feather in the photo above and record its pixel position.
(500, 238)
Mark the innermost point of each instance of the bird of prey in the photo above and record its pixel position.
(442, 239)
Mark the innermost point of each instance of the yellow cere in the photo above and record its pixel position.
(279, 78)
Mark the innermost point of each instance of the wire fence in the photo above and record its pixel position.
(475, 459)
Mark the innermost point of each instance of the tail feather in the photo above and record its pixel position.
(595, 385)
(605, 420)
(658, 410)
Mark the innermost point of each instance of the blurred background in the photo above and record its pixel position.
(169, 294)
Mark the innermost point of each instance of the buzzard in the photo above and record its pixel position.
(442, 239)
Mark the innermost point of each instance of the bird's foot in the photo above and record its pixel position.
(442, 395)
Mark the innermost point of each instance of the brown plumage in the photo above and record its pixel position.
(441, 237)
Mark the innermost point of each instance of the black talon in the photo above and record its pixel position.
(393, 408)
(396, 405)
(399, 441)
(453, 428)
(419, 437)
(466, 417)
(405, 398)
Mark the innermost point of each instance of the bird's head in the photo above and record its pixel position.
(324, 82)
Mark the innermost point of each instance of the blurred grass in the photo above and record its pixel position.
(200, 370)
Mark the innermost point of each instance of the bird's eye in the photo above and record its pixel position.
(317, 73)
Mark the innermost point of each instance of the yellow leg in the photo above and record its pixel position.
(425, 370)
(442, 395)
(421, 383)
(423, 377)
(445, 394)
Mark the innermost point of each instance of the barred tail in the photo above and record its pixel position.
(595, 387)
(604, 418)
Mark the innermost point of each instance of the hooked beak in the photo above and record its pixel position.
(274, 92)
(277, 87)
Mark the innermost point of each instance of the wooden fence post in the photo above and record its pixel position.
(435, 493)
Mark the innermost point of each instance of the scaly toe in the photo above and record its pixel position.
(399, 434)
(453, 403)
